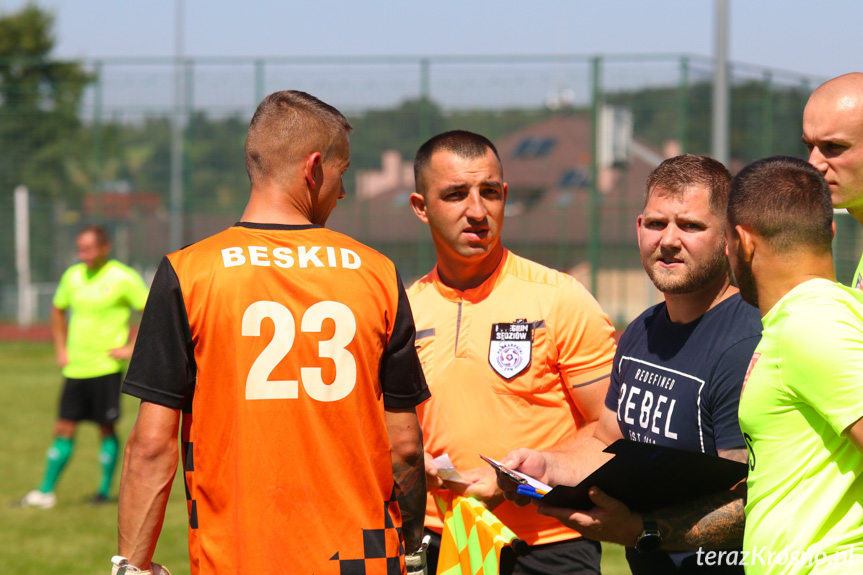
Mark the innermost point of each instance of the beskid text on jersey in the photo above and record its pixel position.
(306, 256)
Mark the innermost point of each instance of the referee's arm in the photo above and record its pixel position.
(149, 466)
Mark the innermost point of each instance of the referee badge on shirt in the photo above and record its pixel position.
(510, 347)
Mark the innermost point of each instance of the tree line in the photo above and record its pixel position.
(44, 143)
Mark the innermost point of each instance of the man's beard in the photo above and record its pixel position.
(696, 278)
(746, 282)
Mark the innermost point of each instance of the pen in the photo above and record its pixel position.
(532, 492)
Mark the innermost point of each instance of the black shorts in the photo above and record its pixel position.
(575, 556)
(96, 399)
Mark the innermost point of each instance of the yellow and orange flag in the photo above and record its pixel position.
(472, 538)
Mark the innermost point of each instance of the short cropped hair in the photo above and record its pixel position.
(676, 175)
(102, 238)
(786, 202)
(287, 126)
(462, 143)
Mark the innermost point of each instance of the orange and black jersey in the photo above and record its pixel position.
(283, 344)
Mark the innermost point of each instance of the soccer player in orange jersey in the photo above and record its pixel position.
(289, 350)
(514, 353)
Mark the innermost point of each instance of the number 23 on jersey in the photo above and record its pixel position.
(258, 383)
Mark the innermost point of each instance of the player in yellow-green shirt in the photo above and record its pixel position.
(802, 400)
(858, 276)
(92, 347)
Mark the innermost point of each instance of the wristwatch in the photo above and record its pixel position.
(650, 539)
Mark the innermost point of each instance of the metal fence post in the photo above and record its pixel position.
(683, 104)
(425, 100)
(259, 82)
(98, 155)
(22, 256)
(593, 211)
(176, 192)
(424, 259)
(767, 117)
(721, 98)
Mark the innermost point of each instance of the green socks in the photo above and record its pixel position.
(58, 455)
(61, 451)
(108, 462)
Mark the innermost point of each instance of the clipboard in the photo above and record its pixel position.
(647, 477)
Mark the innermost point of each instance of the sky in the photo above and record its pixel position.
(816, 39)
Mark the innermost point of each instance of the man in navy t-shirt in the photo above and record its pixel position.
(676, 381)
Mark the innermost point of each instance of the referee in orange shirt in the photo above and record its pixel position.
(513, 352)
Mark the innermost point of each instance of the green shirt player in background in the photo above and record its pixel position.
(92, 348)
(802, 400)
(833, 132)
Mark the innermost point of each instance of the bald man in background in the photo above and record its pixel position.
(833, 133)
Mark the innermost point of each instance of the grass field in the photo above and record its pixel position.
(75, 536)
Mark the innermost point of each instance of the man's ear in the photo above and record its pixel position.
(748, 241)
(505, 191)
(418, 203)
(638, 229)
(312, 168)
(833, 229)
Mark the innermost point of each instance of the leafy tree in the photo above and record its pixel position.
(39, 101)
(148, 162)
(764, 121)
(216, 161)
(495, 124)
(403, 128)
(39, 131)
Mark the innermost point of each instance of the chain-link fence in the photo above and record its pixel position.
(153, 150)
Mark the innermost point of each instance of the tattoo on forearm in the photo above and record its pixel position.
(712, 522)
(411, 493)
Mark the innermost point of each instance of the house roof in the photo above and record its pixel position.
(547, 167)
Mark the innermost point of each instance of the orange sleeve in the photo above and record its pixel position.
(583, 334)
